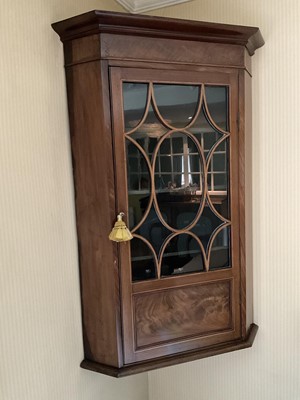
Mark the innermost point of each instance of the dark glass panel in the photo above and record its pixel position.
(178, 181)
(220, 162)
(206, 225)
(217, 103)
(182, 255)
(162, 181)
(165, 164)
(153, 230)
(220, 182)
(134, 103)
(194, 163)
(220, 251)
(142, 261)
(165, 147)
(176, 103)
(138, 183)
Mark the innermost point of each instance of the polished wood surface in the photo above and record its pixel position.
(142, 25)
(94, 190)
(230, 78)
(131, 327)
(174, 359)
(181, 313)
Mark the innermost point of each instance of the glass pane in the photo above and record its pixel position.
(178, 181)
(205, 133)
(218, 179)
(217, 103)
(139, 184)
(220, 254)
(149, 133)
(134, 102)
(182, 255)
(206, 225)
(176, 103)
(153, 230)
(142, 261)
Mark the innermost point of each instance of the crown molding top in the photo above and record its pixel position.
(139, 6)
(94, 22)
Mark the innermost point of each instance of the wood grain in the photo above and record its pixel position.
(180, 313)
(142, 25)
(174, 359)
(92, 154)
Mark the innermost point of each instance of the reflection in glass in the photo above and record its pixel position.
(153, 230)
(142, 261)
(205, 133)
(149, 133)
(182, 255)
(138, 183)
(134, 103)
(206, 225)
(217, 103)
(178, 175)
(177, 104)
(178, 180)
(218, 168)
(220, 254)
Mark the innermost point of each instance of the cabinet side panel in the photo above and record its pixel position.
(245, 198)
(92, 152)
(248, 201)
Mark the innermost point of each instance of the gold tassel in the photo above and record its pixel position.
(120, 232)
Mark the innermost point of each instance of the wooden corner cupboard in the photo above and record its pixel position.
(160, 122)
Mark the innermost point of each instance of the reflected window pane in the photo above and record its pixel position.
(138, 183)
(218, 168)
(179, 180)
(204, 132)
(165, 147)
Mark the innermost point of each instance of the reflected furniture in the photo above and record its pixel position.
(160, 122)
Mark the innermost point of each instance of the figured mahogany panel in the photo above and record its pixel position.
(182, 312)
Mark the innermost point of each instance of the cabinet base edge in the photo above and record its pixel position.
(178, 358)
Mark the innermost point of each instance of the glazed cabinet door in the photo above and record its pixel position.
(177, 181)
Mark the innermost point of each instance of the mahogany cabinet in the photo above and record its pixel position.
(160, 111)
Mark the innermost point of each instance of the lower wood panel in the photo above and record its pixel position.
(182, 312)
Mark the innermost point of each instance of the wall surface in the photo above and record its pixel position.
(271, 369)
(40, 321)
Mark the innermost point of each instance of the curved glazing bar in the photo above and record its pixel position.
(177, 174)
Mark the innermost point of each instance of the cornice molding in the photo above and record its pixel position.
(140, 6)
(95, 22)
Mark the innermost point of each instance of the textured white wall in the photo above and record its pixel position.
(40, 321)
(271, 369)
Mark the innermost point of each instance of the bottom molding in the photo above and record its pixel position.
(174, 359)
